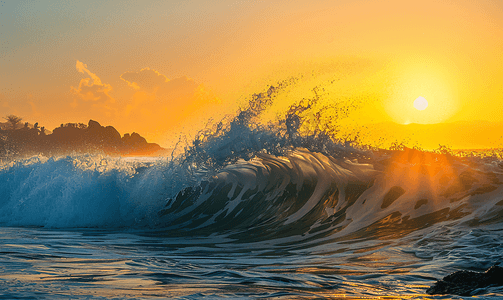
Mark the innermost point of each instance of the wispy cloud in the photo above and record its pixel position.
(175, 98)
(153, 106)
(92, 90)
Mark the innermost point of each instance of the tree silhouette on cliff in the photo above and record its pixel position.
(71, 138)
(13, 120)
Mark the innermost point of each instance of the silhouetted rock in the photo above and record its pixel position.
(138, 145)
(464, 283)
(73, 137)
(134, 140)
(97, 134)
(93, 125)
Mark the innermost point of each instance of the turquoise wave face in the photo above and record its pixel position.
(302, 196)
(246, 210)
(267, 181)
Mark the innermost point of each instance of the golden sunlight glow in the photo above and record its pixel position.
(430, 80)
(420, 103)
(380, 55)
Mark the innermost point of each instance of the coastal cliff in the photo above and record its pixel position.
(73, 138)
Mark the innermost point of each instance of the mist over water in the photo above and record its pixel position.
(284, 209)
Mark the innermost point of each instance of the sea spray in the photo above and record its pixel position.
(283, 209)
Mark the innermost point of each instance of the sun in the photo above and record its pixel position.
(422, 92)
(420, 103)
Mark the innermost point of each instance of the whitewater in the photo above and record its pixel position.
(249, 211)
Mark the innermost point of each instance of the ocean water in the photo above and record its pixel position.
(248, 211)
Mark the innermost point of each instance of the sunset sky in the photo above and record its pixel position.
(164, 67)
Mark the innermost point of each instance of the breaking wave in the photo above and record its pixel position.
(288, 181)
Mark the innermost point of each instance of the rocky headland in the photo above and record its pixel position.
(73, 138)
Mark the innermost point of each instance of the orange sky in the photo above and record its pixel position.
(164, 67)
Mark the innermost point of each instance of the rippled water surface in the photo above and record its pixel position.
(44, 263)
(249, 211)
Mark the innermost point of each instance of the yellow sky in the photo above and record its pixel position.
(164, 67)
